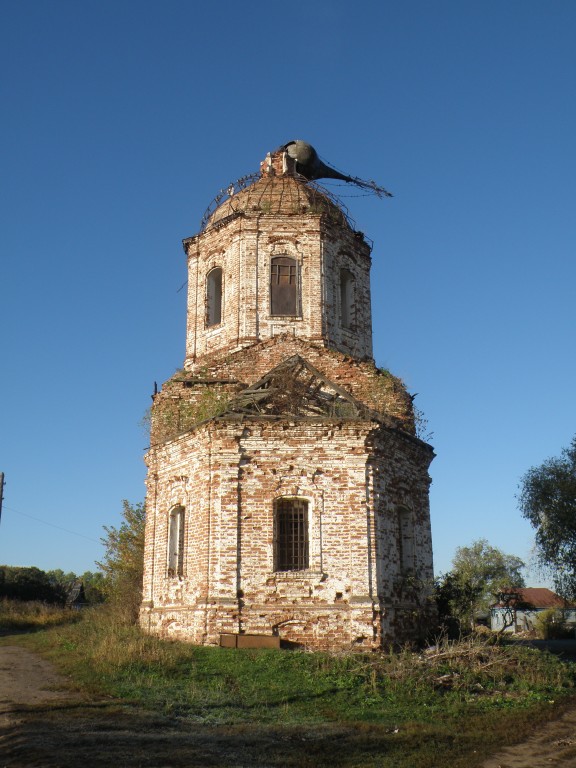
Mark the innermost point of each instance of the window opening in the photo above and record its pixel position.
(176, 542)
(214, 297)
(346, 298)
(291, 521)
(283, 286)
(406, 539)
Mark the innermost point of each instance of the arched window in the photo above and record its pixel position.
(406, 539)
(346, 298)
(290, 535)
(176, 542)
(214, 297)
(283, 286)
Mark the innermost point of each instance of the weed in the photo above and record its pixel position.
(28, 615)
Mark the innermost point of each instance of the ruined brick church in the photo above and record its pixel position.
(287, 491)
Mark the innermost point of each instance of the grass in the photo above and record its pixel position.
(26, 616)
(458, 700)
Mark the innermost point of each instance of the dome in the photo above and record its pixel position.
(285, 195)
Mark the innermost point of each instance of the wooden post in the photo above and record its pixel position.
(1, 492)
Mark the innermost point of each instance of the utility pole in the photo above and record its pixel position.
(1, 492)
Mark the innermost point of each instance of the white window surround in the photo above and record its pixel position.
(175, 555)
(214, 296)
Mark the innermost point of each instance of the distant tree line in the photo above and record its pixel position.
(23, 583)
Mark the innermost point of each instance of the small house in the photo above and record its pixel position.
(517, 609)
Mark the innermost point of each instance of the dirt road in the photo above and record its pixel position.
(554, 744)
(45, 724)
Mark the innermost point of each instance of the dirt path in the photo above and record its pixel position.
(552, 744)
(26, 678)
(45, 724)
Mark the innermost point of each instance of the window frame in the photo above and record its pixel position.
(214, 297)
(277, 297)
(347, 288)
(406, 543)
(175, 549)
(291, 552)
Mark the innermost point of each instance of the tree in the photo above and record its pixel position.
(123, 562)
(510, 601)
(62, 582)
(92, 581)
(548, 500)
(455, 599)
(479, 573)
(18, 583)
(94, 586)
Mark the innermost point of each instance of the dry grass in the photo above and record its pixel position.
(30, 615)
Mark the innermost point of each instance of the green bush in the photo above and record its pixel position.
(551, 625)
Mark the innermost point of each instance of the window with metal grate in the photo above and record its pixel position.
(291, 535)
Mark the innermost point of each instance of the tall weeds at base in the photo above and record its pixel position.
(22, 615)
(112, 645)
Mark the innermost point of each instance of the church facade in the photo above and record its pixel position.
(287, 491)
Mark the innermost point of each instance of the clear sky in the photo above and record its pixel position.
(121, 120)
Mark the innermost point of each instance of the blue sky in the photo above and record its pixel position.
(122, 120)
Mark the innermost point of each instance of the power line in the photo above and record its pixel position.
(52, 525)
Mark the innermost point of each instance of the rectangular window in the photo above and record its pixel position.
(176, 542)
(214, 297)
(406, 539)
(291, 529)
(283, 286)
(346, 297)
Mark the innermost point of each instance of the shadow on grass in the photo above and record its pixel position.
(9, 629)
(101, 734)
